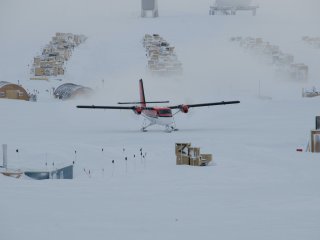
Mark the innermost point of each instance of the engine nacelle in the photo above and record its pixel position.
(184, 108)
(138, 110)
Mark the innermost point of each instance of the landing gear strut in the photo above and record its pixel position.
(170, 128)
(145, 126)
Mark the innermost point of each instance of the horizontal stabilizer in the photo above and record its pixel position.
(142, 102)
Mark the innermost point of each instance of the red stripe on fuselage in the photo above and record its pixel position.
(158, 112)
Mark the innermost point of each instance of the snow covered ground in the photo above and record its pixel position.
(259, 187)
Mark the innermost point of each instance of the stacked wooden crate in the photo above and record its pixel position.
(271, 54)
(312, 41)
(55, 54)
(187, 155)
(162, 59)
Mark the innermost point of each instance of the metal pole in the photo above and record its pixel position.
(317, 122)
(5, 155)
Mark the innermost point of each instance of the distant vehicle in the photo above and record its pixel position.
(230, 7)
(156, 115)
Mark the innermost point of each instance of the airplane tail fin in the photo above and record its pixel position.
(142, 97)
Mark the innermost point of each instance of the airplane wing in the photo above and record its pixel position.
(181, 106)
(136, 109)
(106, 107)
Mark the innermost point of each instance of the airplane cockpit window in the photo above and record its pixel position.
(165, 111)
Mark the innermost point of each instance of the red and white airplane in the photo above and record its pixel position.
(156, 115)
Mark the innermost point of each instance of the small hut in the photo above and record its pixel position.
(71, 90)
(13, 91)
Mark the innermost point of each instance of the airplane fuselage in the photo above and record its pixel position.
(159, 115)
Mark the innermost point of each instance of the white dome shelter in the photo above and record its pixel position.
(71, 90)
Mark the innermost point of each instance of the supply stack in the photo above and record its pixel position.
(272, 55)
(313, 92)
(187, 155)
(54, 55)
(162, 59)
(312, 41)
(314, 143)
